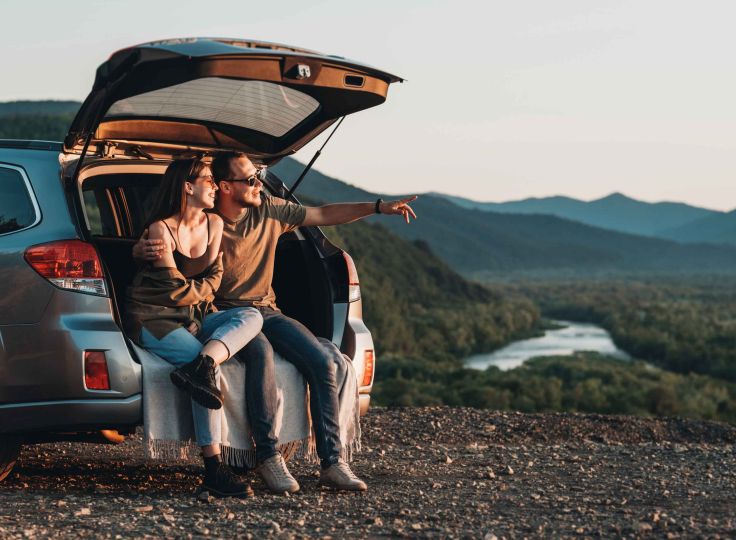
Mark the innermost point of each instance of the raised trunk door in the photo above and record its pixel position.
(175, 96)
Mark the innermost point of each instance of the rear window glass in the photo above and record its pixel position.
(258, 105)
(16, 206)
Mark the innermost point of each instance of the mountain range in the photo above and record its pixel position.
(482, 242)
(617, 212)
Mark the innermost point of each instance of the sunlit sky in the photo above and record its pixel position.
(503, 100)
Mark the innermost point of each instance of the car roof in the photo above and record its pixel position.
(23, 144)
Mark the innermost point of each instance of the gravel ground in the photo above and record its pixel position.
(432, 472)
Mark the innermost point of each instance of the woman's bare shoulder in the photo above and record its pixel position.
(216, 221)
(159, 230)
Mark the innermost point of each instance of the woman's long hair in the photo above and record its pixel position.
(171, 198)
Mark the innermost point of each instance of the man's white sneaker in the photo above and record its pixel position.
(339, 476)
(277, 476)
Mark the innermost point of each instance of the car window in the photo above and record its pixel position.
(93, 212)
(258, 105)
(17, 210)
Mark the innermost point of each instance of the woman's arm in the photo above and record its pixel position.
(192, 291)
(158, 231)
(168, 287)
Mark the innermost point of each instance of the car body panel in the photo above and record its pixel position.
(71, 415)
(23, 293)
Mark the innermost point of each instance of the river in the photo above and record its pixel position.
(575, 336)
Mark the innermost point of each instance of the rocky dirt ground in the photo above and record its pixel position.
(432, 472)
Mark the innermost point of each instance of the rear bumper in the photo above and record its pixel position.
(365, 401)
(71, 415)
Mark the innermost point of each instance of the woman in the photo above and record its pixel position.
(170, 312)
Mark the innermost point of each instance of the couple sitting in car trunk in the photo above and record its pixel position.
(196, 260)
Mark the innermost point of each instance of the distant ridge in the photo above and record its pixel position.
(44, 120)
(616, 212)
(719, 228)
(53, 107)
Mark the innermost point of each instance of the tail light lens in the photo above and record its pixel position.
(353, 281)
(69, 264)
(368, 358)
(96, 376)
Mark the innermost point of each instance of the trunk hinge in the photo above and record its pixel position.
(311, 162)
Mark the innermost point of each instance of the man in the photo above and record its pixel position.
(253, 223)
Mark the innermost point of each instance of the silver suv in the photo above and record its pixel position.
(70, 213)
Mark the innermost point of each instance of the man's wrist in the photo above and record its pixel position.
(379, 202)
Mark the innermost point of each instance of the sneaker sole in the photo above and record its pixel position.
(203, 396)
(282, 491)
(341, 488)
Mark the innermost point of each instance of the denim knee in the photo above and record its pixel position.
(249, 316)
(322, 365)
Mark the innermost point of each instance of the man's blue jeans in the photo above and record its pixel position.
(317, 364)
(233, 327)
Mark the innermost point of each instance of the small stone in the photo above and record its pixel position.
(205, 497)
(148, 508)
(275, 527)
(448, 460)
(509, 470)
(83, 512)
(230, 515)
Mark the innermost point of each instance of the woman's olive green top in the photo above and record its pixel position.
(162, 299)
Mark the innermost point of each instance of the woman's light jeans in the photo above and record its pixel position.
(233, 327)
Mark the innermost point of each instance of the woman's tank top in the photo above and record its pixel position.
(191, 266)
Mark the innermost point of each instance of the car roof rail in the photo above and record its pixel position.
(31, 145)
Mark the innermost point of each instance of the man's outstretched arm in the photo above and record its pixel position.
(337, 214)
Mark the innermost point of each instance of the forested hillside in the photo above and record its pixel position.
(418, 307)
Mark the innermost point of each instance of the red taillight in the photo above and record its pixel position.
(367, 367)
(69, 264)
(96, 376)
(353, 281)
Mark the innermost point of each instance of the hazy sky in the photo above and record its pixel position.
(503, 100)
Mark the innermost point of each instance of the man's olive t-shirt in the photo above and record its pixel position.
(249, 249)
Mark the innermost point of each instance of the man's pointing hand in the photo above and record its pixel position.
(399, 207)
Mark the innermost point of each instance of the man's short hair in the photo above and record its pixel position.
(221, 164)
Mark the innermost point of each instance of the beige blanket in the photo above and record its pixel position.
(167, 413)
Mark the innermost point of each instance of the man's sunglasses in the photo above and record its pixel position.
(258, 176)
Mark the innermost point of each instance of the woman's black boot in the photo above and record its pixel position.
(198, 378)
(221, 481)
